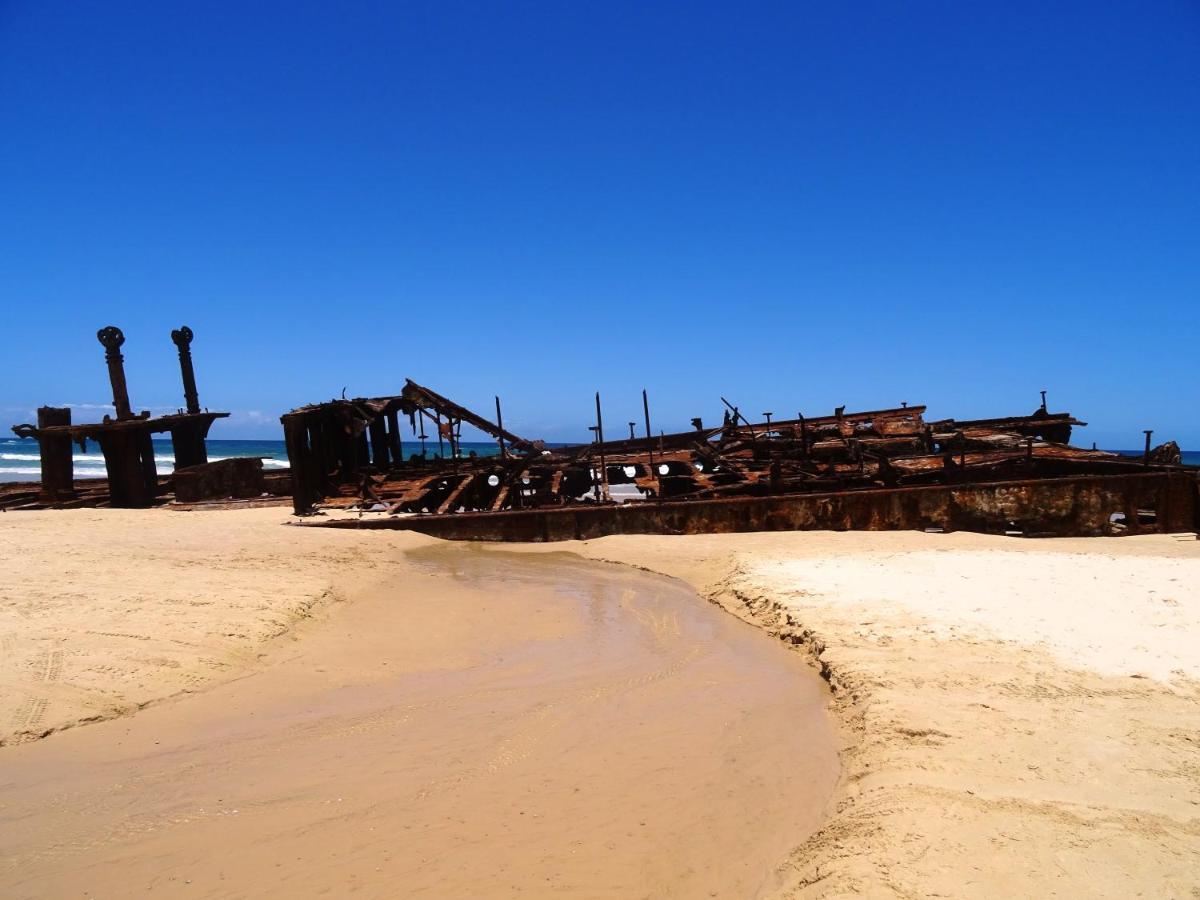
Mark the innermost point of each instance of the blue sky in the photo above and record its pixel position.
(793, 205)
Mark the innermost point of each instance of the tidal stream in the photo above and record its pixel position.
(494, 724)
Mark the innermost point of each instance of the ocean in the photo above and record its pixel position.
(1190, 457)
(19, 459)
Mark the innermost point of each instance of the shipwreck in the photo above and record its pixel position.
(398, 460)
(878, 469)
(126, 441)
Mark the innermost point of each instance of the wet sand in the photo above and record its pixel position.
(1022, 717)
(488, 724)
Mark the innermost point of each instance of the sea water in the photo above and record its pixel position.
(1190, 457)
(20, 461)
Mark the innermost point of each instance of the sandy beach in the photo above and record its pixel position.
(454, 721)
(1012, 717)
(1021, 718)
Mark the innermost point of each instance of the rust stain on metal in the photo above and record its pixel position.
(883, 468)
(872, 469)
(125, 441)
(1162, 502)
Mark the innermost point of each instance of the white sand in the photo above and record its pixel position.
(1113, 615)
(105, 610)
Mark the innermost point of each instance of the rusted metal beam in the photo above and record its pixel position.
(380, 452)
(500, 428)
(501, 496)
(394, 441)
(421, 396)
(1081, 506)
(649, 433)
(447, 505)
(132, 480)
(182, 339)
(305, 490)
(604, 493)
(418, 490)
(55, 451)
(112, 338)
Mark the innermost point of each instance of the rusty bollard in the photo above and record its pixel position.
(112, 338)
(183, 340)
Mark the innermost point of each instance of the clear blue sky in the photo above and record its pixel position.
(795, 205)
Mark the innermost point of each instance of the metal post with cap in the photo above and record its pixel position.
(600, 440)
(112, 338)
(182, 338)
(500, 428)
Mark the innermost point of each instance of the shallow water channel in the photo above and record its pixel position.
(495, 724)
